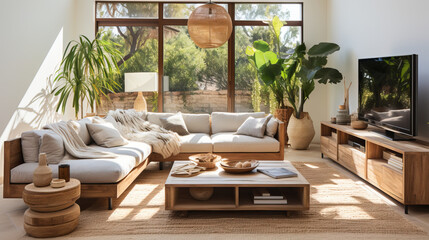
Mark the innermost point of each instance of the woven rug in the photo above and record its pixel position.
(338, 205)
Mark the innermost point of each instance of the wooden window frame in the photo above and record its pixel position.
(161, 22)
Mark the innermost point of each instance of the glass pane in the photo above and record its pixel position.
(127, 10)
(259, 11)
(250, 94)
(195, 79)
(139, 48)
(182, 10)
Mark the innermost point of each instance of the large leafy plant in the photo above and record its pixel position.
(292, 74)
(305, 67)
(268, 62)
(86, 73)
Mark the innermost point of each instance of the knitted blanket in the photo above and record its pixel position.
(74, 144)
(133, 127)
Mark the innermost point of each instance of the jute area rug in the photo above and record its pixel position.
(338, 205)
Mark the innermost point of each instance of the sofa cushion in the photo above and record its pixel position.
(106, 135)
(139, 150)
(196, 142)
(272, 126)
(82, 130)
(93, 170)
(196, 123)
(53, 146)
(30, 142)
(229, 142)
(254, 127)
(175, 123)
(230, 122)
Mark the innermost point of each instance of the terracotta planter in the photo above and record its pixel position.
(283, 114)
(300, 131)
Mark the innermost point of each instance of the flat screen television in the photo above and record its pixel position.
(387, 94)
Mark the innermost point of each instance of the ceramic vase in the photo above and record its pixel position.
(283, 114)
(343, 117)
(300, 131)
(42, 176)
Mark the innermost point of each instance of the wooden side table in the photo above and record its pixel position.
(53, 211)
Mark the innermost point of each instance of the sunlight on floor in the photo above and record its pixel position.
(119, 214)
(346, 212)
(150, 195)
(146, 213)
(310, 165)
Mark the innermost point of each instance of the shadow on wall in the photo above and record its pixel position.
(37, 107)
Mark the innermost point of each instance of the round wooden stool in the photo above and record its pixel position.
(53, 211)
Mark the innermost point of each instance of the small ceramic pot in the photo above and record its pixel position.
(42, 176)
(343, 117)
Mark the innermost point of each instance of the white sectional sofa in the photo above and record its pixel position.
(111, 177)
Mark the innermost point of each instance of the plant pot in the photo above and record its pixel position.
(283, 114)
(300, 131)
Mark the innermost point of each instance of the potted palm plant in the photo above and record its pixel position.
(269, 65)
(305, 68)
(86, 73)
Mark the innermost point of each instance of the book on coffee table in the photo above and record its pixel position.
(266, 194)
(278, 172)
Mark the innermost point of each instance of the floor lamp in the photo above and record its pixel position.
(141, 82)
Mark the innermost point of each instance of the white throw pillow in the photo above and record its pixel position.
(106, 135)
(30, 142)
(254, 127)
(53, 145)
(81, 129)
(272, 127)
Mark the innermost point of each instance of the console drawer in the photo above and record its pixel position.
(375, 171)
(352, 159)
(329, 146)
(393, 181)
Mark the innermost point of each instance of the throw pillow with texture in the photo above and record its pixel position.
(272, 127)
(53, 145)
(175, 123)
(106, 135)
(82, 130)
(254, 127)
(30, 142)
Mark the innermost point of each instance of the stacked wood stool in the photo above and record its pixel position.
(53, 211)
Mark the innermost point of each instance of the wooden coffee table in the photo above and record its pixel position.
(233, 191)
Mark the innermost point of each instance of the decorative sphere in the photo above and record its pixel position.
(201, 193)
(209, 26)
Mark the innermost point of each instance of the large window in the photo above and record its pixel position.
(153, 37)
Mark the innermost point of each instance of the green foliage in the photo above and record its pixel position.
(307, 67)
(86, 73)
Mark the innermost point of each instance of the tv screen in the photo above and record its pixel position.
(387, 92)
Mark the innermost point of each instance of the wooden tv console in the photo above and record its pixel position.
(409, 186)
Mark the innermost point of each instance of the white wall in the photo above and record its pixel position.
(368, 28)
(34, 34)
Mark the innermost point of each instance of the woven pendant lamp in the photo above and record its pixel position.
(209, 26)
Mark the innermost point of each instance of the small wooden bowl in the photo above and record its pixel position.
(208, 165)
(229, 166)
(359, 125)
(58, 183)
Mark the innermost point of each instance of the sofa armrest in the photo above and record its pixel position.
(12, 158)
(281, 137)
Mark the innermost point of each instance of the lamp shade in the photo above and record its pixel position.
(141, 82)
(209, 26)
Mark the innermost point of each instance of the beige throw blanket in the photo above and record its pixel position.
(133, 127)
(74, 144)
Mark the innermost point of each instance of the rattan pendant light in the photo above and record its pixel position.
(209, 26)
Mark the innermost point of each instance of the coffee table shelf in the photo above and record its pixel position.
(232, 192)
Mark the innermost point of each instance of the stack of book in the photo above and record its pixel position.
(268, 196)
(393, 159)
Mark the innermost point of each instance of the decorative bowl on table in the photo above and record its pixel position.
(207, 160)
(238, 166)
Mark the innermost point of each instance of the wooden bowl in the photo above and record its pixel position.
(229, 166)
(207, 164)
(359, 125)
